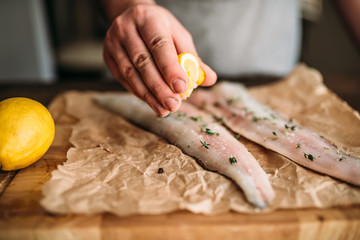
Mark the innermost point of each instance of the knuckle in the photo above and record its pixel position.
(119, 26)
(139, 11)
(158, 42)
(156, 88)
(141, 61)
(127, 72)
(147, 97)
(117, 22)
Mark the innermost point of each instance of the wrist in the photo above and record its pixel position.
(114, 8)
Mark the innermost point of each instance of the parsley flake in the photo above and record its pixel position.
(255, 119)
(309, 156)
(209, 131)
(196, 119)
(204, 144)
(232, 160)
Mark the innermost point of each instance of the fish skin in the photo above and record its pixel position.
(253, 120)
(185, 132)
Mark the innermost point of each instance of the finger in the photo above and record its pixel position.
(129, 74)
(115, 72)
(184, 43)
(210, 75)
(159, 41)
(144, 63)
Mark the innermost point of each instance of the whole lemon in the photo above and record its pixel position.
(26, 132)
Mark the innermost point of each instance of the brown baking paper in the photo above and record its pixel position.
(113, 166)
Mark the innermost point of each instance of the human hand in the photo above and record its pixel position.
(141, 50)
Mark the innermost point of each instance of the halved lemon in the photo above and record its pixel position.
(194, 72)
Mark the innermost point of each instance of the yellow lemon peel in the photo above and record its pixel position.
(27, 131)
(196, 75)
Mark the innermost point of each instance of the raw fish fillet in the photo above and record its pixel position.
(199, 136)
(243, 114)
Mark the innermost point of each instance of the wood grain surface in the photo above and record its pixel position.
(22, 217)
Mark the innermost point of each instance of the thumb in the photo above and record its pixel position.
(210, 75)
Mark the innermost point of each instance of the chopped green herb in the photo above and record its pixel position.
(209, 131)
(298, 145)
(204, 144)
(160, 170)
(342, 158)
(286, 126)
(255, 119)
(291, 120)
(237, 136)
(221, 119)
(188, 146)
(275, 138)
(326, 148)
(274, 133)
(232, 160)
(309, 156)
(196, 119)
(204, 125)
(180, 115)
(293, 128)
(167, 115)
(232, 100)
(217, 134)
(245, 108)
(265, 118)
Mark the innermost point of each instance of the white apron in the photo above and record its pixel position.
(242, 37)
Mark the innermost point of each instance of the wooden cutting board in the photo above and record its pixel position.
(22, 217)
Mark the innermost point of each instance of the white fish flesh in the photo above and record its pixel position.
(199, 136)
(246, 116)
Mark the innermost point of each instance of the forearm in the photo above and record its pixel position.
(351, 11)
(113, 8)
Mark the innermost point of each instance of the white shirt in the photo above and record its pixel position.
(242, 37)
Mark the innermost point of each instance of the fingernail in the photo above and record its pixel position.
(170, 103)
(179, 85)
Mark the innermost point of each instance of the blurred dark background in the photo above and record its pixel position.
(60, 41)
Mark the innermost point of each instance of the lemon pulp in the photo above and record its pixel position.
(194, 72)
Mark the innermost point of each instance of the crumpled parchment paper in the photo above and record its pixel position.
(113, 166)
